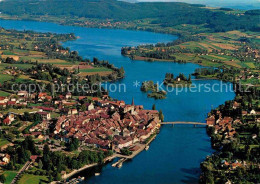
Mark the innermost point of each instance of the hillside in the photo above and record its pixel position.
(112, 13)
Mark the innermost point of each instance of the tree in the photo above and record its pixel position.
(209, 177)
(189, 79)
(121, 72)
(57, 177)
(46, 149)
(154, 107)
(40, 165)
(2, 178)
(73, 145)
(161, 117)
(83, 107)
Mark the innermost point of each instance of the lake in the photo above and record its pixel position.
(175, 155)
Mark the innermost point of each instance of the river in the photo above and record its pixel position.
(175, 155)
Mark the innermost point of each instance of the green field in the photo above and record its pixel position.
(9, 175)
(20, 111)
(32, 179)
(4, 77)
(20, 66)
(250, 65)
(98, 69)
(8, 53)
(3, 93)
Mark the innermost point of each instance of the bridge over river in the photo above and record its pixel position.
(183, 123)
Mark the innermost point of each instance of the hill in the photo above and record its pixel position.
(157, 14)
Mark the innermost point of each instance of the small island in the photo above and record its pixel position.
(154, 92)
(180, 81)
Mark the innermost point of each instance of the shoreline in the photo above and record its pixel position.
(176, 34)
(74, 172)
(146, 59)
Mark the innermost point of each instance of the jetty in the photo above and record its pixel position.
(119, 163)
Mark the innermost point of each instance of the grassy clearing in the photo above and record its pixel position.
(7, 52)
(32, 179)
(9, 175)
(20, 111)
(19, 66)
(4, 77)
(3, 93)
(98, 69)
(250, 65)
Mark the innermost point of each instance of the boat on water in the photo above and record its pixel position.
(97, 174)
(120, 165)
(147, 147)
(76, 180)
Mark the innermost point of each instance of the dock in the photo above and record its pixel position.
(119, 163)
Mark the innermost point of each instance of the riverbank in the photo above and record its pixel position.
(108, 159)
(148, 59)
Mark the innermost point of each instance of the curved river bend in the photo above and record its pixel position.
(175, 155)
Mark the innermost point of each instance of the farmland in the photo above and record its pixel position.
(233, 48)
(22, 51)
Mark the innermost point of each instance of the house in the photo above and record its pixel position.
(6, 158)
(252, 112)
(68, 96)
(23, 94)
(3, 105)
(45, 115)
(244, 113)
(11, 103)
(9, 119)
(236, 105)
(82, 98)
(125, 143)
(48, 98)
(235, 165)
(254, 136)
(211, 121)
(73, 112)
(95, 98)
(3, 99)
(91, 107)
(33, 158)
(42, 96)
